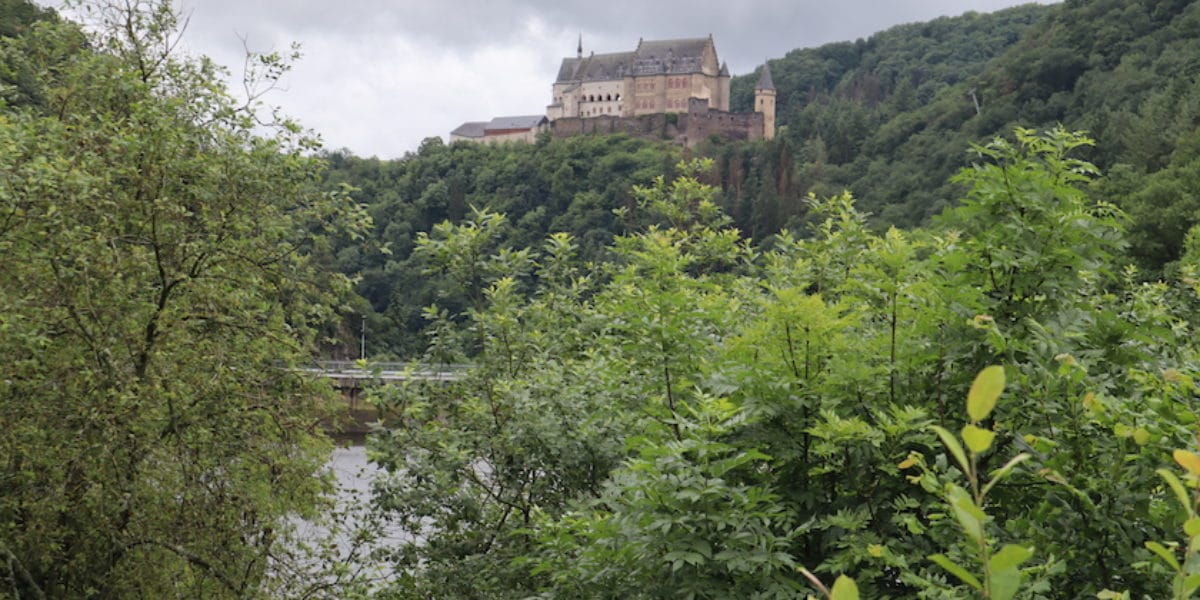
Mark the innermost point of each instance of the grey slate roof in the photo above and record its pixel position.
(603, 67)
(670, 56)
(764, 80)
(650, 58)
(522, 122)
(470, 129)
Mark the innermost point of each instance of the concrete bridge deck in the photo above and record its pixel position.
(351, 377)
(351, 370)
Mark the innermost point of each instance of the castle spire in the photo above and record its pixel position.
(764, 80)
(579, 49)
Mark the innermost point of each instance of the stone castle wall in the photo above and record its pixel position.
(689, 128)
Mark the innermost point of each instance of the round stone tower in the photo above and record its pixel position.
(764, 101)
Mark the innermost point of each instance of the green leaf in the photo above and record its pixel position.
(1003, 585)
(843, 589)
(1188, 460)
(956, 571)
(1009, 557)
(1003, 472)
(1190, 584)
(970, 516)
(954, 447)
(978, 439)
(1167, 556)
(1141, 437)
(1192, 527)
(1176, 486)
(984, 392)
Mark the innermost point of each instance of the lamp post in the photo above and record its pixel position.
(362, 340)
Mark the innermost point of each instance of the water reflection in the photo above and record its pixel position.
(353, 471)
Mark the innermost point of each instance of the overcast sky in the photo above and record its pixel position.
(378, 76)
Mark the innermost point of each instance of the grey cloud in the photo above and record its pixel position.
(746, 31)
(379, 75)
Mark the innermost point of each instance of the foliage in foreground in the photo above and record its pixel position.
(156, 280)
(702, 419)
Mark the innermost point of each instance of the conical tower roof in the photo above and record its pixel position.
(764, 80)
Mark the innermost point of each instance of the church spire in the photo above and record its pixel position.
(579, 48)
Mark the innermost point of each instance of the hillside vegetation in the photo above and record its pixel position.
(888, 118)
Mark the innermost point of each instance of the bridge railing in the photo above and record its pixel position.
(390, 367)
(387, 371)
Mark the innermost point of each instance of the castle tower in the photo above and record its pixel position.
(764, 101)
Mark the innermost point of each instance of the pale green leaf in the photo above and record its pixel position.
(954, 447)
(970, 516)
(1003, 472)
(984, 392)
(1003, 585)
(1188, 460)
(843, 589)
(1009, 557)
(978, 439)
(1192, 527)
(1190, 584)
(956, 571)
(1166, 555)
(1176, 486)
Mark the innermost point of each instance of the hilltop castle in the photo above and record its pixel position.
(675, 89)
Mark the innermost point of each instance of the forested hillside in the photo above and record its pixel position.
(886, 117)
(569, 185)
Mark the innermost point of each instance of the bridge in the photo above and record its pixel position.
(353, 371)
(351, 377)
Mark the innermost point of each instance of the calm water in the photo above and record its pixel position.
(354, 472)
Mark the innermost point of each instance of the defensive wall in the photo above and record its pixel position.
(686, 128)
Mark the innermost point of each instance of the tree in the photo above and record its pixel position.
(159, 280)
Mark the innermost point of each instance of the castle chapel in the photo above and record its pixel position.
(657, 77)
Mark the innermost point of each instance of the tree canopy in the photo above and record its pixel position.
(158, 279)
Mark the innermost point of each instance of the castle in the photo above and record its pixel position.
(675, 89)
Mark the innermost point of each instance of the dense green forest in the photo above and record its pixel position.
(964, 366)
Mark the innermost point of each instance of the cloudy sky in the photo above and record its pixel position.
(378, 76)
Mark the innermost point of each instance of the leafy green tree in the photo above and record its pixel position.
(158, 285)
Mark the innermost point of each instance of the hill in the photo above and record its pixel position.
(889, 117)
